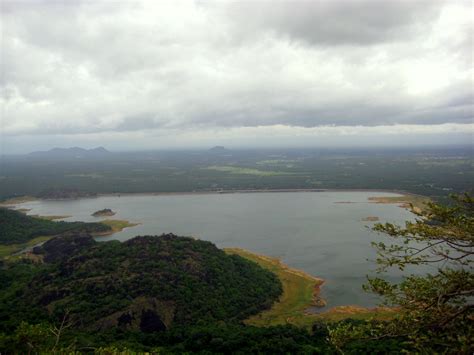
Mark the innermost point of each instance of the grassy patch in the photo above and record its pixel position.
(339, 313)
(8, 250)
(282, 162)
(418, 202)
(17, 200)
(117, 225)
(300, 291)
(236, 170)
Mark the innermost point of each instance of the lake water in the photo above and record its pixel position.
(311, 231)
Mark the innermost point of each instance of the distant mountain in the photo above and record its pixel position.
(74, 152)
(219, 149)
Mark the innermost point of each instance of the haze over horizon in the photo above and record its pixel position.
(140, 75)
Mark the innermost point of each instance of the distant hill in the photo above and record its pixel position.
(219, 149)
(74, 152)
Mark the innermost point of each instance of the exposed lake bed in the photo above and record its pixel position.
(307, 230)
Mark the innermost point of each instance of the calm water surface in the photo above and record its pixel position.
(311, 231)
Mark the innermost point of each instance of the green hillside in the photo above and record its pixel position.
(147, 283)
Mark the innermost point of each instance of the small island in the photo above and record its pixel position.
(370, 219)
(106, 212)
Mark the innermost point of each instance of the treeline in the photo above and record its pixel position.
(212, 338)
(16, 227)
(430, 173)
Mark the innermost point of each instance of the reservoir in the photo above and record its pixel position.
(322, 233)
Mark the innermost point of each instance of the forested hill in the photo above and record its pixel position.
(16, 227)
(145, 284)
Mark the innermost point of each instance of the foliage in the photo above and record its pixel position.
(172, 280)
(435, 310)
(56, 307)
(300, 291)
(16, 227)
(429, 172)
(238, 339)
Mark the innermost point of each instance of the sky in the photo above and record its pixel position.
(132, 75)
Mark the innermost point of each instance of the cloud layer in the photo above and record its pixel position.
(88, 67)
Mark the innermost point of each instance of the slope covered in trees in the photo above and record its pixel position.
(16, 227)
(146, 284)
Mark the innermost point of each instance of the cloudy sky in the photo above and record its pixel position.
(183, 73)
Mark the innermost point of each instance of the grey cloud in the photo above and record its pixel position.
(326, 22)
(129, 66)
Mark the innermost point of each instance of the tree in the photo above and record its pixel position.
(434, 311)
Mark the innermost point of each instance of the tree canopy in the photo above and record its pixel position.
(435, 309)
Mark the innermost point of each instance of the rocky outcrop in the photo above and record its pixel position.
(146, 314)
(61, 247)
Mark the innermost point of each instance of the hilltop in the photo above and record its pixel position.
(147, 284)
(219, 149)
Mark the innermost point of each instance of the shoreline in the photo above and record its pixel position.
(116, 225)
(8, 203)
(23, 199)
(300, 291)
(301, 294)
(250, 191)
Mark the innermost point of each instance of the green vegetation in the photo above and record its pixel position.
(435, 311)
(300, 291)
(10, 249)
(410, 201)
(19, 231)
(17, 228)
(17, 200)
(116, 225)
(429, 172)
(183, 280)
(147, 284)
(158, 294)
